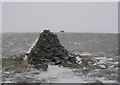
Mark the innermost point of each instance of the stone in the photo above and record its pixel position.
(72, 59)
(43, 66)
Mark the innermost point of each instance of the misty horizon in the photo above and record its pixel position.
(89, 17)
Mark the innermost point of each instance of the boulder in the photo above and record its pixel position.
(43, 66)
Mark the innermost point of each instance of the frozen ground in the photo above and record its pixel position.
(102, 48)
(54, 74)
(103, 70)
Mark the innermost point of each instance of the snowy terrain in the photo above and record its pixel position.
(101, 48)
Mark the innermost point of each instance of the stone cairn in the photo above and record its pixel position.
(48, 49)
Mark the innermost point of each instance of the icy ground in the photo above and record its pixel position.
(54, 74)
(59, 74)
(103, 46)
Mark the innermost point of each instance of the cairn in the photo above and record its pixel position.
(47, 49)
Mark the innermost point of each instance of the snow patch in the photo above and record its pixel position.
(31, 48)
(32, 45)
(86, 54)
(78, 60)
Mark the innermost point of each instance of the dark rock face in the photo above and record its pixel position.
(47, 48)
(43, 66)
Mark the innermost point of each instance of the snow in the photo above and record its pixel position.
(102, 66)
(71, 80)
(110, 59)
(102, 60)
(84, 68)
(25, 58)
(78, 60)
(106, 81)
(111, 66)
(31, 48)
(85, 54)
(116, 63)
(54, 74)
(57, 74)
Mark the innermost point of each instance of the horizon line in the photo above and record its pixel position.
(63, 32)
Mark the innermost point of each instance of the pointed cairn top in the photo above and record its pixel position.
(46, 31)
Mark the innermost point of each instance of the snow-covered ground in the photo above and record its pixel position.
(60, 75)
(54, 74)
(104, 69)
(99, 48)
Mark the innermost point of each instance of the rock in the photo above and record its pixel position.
(57, 62)
(103, 66)
(43, 66)
(18, 71)
(72, 59)
(62, 31)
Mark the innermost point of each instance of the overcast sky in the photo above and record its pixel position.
(56, 16)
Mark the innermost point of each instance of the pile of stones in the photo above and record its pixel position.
(49, 49)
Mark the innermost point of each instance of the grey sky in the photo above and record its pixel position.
(56, 16)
